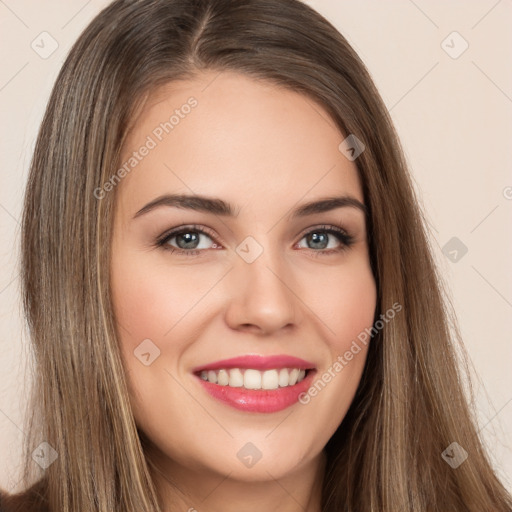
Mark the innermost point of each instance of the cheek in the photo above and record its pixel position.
(346, 309)
(345, 302)
(149, 303)
(356, 308)
(150, 299)
(161, 303)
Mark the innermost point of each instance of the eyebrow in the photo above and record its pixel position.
(219, 207)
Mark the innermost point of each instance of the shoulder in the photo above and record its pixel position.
(32, 499)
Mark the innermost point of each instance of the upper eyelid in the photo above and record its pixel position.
(171, 233)
(209, 232)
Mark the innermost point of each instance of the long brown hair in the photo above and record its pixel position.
(410, 405)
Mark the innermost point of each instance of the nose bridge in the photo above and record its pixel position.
(262, 291)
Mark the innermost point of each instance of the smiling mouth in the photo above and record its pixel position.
(252, 379)
(256, 391)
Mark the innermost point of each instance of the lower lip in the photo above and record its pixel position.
(259, 400)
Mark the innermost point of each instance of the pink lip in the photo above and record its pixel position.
(259, 400)
(257, 362)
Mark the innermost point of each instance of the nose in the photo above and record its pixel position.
(262, 298)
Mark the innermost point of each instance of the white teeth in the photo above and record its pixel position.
(270, 380)
(236, 378)
(223, 378)
(254, 379)
(293, 377)
(283, 377)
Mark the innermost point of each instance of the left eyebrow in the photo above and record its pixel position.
(217, 206)
(327, 204)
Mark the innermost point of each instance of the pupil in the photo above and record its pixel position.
(190, 238)
(317, 239)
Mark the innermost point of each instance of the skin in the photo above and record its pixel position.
(266, 150)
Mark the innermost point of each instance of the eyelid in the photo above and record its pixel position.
(324, 227)
(346, 241)
(344, 238)
(162, 239)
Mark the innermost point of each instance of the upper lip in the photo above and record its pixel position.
(257, 362)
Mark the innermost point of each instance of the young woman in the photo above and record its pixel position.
(232, 300)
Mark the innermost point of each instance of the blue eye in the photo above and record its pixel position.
(319, 237)
(187, 240)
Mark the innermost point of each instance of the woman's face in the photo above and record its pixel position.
(266, 279)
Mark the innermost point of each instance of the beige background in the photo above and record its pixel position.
(454, 116)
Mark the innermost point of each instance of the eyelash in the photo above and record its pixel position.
(343, 237)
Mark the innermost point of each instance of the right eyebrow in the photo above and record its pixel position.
(190, 202)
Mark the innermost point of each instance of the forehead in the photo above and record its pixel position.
(232, 136)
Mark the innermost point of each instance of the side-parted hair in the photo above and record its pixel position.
(411, 403)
